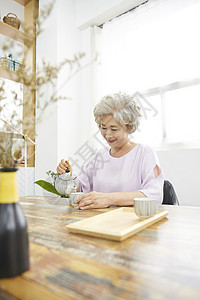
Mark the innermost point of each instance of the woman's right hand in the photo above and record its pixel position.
(63, 166)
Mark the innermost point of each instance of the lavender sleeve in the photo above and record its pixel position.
(85, 176)
(151, 186)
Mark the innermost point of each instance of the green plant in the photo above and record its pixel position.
(50, 187)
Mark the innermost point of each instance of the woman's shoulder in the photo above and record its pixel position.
(147, 153)
(145, 150)
(102, 152)
(99, 153)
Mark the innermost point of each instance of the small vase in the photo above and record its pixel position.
(14, 247)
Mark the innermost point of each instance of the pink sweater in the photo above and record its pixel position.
(131, 172)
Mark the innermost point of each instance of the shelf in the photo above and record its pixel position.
(22, 2)
(27, 39)
(9, 74)
(12, 32)
(12, 134)
(19, 165)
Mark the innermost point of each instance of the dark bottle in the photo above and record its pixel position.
(14, 247)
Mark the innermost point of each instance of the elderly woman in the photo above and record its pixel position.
(117, 174)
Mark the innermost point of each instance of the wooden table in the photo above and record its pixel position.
(161, 262)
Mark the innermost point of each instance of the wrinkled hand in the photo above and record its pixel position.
(62, 167)
(93, 200)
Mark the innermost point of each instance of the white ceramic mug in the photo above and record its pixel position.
(145, 207)
(73, 197)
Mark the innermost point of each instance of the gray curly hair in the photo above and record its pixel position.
(122, 107)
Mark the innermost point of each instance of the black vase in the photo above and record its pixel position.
(14, 246)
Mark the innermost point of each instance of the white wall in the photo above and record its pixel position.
(71, 112)
(46, 129)
(181, 167)
(68, 126)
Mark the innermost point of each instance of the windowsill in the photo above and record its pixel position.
(177, 146)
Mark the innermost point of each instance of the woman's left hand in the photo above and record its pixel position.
(93, 200)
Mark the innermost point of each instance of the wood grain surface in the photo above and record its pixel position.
(160, 262)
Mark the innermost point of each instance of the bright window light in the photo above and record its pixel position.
(152, 47)
(150, 129)
(182, 115)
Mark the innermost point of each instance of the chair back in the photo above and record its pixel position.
(169, 194)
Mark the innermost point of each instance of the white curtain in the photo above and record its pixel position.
(153, 45)
(156, 47)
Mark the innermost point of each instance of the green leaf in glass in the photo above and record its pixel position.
(48, 187)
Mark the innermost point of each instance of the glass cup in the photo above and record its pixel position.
(145, 207)
(73, 197)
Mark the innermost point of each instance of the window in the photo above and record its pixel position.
(154, 49)
(182, 108)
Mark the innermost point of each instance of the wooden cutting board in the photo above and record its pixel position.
(117, 224)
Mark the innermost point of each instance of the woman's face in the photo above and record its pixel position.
(115, 134)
